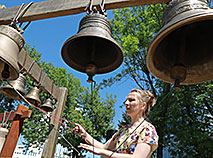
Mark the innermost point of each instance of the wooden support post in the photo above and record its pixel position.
(56, 8)
(9, 146)
(50, 144)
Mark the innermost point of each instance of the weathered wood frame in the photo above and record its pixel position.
(17, 117)
(57, 8)
(51, 9)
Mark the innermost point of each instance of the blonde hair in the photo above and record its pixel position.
(147, 97)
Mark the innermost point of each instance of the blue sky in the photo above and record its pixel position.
(49, 35)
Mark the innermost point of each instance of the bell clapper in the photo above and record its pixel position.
(5, 73)
(90, 79)
(91, 71)
(178, 74)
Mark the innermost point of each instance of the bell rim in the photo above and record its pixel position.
(164, 31)
(9, 96)
(76, 67)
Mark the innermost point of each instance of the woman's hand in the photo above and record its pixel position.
(92, 149)
(80, 130)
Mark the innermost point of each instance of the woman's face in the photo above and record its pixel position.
(133, 104)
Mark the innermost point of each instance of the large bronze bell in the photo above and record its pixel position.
(93, 50)
(181, 52)
(18, 84)
(47, 106)
(33, 96)
(11, 42)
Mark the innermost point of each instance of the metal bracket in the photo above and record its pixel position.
(92, 9)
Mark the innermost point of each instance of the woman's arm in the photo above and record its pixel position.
(142, 150)
(79, 130)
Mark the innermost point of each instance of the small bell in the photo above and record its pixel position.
(33, 96)
(47, 106)
(18, 84)
(181, 52)
(93, 45)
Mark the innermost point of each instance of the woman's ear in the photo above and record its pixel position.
(143, 106)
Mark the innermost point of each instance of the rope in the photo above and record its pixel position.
(93, 118)
(46, 113)
(55, 117)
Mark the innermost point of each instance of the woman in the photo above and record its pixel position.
(139, 139)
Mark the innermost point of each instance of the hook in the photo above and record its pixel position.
(90, 9)
(103, 11)
(19, 14)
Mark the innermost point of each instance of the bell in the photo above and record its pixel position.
(93, 46)
(47, 106)
(181, 52)
(18, 84)
(11, 42)
(33, 96)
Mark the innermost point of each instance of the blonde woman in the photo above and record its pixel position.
(137, 140)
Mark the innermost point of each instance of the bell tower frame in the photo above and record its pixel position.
(51, 9)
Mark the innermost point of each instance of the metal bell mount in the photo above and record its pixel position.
(181, 52)
(11, 42)
(93, 50)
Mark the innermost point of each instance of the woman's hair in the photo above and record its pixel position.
(147, 97)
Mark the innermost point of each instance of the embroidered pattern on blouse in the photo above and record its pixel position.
(147, 135)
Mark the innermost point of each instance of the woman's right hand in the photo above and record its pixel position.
(80, 130)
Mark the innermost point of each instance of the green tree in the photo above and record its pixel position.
(93, 112)
(134, 29)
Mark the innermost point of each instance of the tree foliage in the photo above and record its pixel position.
(183, 119)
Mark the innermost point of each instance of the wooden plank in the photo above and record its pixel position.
(13, 135)
(56, 8)
(37, 74)
(52, 140)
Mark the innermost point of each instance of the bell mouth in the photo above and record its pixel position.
(197, 56)
(107, 57)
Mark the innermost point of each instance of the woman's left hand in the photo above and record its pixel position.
(92, 149)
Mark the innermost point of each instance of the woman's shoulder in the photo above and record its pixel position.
(148, 125)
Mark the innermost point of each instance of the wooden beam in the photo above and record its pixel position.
(56, 8)
(37, 74)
